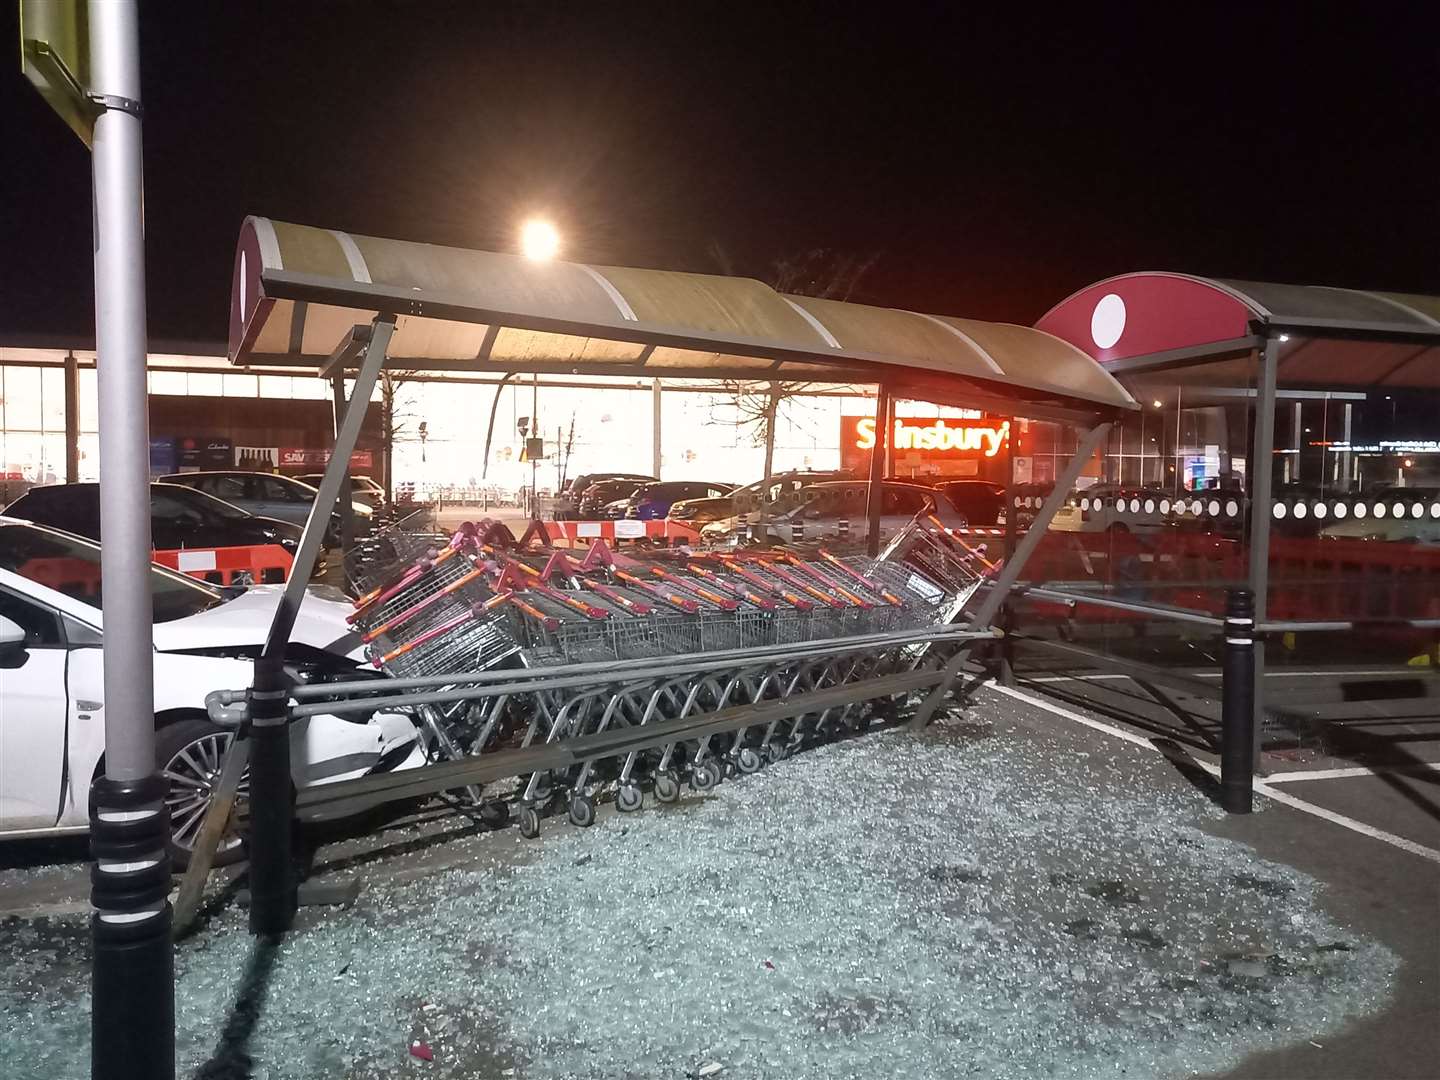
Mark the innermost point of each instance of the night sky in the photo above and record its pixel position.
(991, 162)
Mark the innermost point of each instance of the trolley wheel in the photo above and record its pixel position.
(774, 752)
(628, 798)
(582, 811)
(530, 823)
(544, 788)
(667, 787)
(747, 761)
(705, 776)
(495, 814)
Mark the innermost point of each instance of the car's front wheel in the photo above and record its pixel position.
(190, 755)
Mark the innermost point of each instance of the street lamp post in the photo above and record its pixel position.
(133, 1010)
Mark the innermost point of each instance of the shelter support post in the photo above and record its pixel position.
(72, 419)
(1261, 470)
(347, 503)
(133, 972)
(1007, 644)
(655, 430)
(273, 896)
(874, 492)
(999, 589)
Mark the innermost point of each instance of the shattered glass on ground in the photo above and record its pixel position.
(975, 901)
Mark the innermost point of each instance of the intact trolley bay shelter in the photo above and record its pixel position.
(667, 668)
(1286, 443)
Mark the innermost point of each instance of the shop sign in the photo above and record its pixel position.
(938, 435)
(294, 457)
(205, 453)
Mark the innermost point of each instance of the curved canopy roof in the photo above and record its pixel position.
(1328, 337)
(297, 291)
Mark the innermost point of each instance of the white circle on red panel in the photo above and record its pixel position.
(1107, 321)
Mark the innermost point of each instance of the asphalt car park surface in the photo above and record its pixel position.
(1025, 889)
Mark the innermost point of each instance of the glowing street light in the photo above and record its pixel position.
(539, 240)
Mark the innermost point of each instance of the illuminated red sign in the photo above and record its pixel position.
(945, 437)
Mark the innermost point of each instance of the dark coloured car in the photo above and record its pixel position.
(653, 501)
(980, 501)
(572, 495)
(179, 517)
(604, 492)
(269, 495)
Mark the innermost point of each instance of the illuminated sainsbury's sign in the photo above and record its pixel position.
(939, 435)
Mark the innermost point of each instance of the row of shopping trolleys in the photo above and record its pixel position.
(467, 607)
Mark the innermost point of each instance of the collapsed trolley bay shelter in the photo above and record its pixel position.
(334, 303)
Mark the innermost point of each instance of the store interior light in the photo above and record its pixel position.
(1284, 338)
(1158, 404)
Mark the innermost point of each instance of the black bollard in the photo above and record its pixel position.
(132, 1019)
(1237, 716)
(273, 889)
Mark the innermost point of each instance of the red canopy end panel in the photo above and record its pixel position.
(1141, 314)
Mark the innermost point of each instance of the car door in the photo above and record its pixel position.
(33, 712)
(278, 499)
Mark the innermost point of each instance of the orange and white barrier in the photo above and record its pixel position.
(586, 532)
(264, 563)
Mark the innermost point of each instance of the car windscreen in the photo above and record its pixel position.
(207, 506)
(71, 566)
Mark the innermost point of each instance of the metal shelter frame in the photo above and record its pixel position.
(338, 304)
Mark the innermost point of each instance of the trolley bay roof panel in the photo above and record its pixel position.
(297, 290)
(1328, 337)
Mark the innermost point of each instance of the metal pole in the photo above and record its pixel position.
(1261, 469)
(490, 430)
(1007, 647)
(272, 884)
(1015, 564)
(72, 420)
(878, 454)
(1237, 724)
(655, 433)
(133, 1006)
(347, 503)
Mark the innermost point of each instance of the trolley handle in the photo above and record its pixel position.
(753, 597)
(885, 594)
(789, 579)
(725, 602)
(804, 567)
(797, 602)
(674, 599)
(548, 622)
(620, 598)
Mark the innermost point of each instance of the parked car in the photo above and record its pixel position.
(781, 494)
(603, 492)
(363, 489)
(981, 501)
(269, 495)
(180, 517)
(823, 507)
(52, 691)
(572, 494)
(653, 501)
(1115, 508)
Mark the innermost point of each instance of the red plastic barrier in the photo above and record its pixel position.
(264, 563)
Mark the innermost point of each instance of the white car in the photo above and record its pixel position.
(822, 507)
(52, 694)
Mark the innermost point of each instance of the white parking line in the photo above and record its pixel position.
(1261, 787)
(1350, 771)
